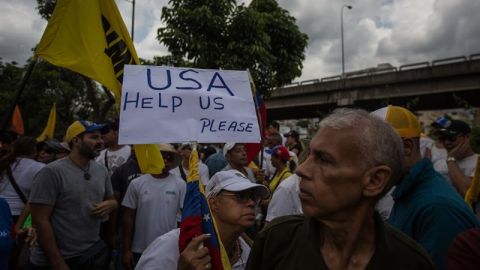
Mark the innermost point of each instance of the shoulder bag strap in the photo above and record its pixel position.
(105, 159)
(15, 185)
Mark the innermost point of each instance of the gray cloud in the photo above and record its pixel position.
(20, 30)
(376, 31)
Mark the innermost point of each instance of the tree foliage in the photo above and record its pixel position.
(261, 37)
(45, 8)
(77, 97)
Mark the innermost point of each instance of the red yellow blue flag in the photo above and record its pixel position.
(197, 219)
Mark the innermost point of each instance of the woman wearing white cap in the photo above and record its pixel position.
(232, 199)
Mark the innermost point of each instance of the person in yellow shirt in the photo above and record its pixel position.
(284, 166)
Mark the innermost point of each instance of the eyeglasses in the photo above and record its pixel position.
(243, 197)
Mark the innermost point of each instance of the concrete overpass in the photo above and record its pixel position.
(440, 84)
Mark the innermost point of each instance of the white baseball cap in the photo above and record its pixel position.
(227, 147)
(233, 180)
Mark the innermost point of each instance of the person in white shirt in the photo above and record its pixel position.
(182, 169)
(152, 205)
(232, 199)
(459, 166)
(285, 200)
(114, 155)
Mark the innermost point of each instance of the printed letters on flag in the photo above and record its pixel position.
(90, 37)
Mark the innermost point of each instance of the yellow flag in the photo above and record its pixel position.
(50, 128)
(471, 196)
(90, 37)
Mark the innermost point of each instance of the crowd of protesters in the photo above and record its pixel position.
(368, 191)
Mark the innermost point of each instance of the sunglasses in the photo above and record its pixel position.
(448, 137)
(243, 197)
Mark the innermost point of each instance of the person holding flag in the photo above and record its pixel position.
(230, 210)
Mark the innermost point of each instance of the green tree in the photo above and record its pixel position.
(77, 97)
(45, 8)
(261, 37)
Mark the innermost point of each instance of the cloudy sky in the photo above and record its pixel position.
(376, 31)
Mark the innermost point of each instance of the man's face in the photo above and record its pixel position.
(168, 158)
(90, 144)
(235, 208)
(185, 152)
(452, 141)
(109, 138)
(331, 177)
(237, 155)
(272, 141)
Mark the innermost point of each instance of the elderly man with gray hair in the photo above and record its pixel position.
(354, 159)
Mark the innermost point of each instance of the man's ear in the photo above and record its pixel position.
(213, 204)
(75, 140)
(408, 146)
(377, 178)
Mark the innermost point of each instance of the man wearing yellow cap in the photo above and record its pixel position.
(69, 199)
(426, 207)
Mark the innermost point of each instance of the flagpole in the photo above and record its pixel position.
(25, 78)
(259, 117)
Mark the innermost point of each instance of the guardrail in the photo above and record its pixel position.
(376, 71)
(414, 65)
(449, 60)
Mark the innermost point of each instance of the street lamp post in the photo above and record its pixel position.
(133, 16)
(341, 26)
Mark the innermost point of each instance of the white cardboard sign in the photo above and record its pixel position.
(168, 104)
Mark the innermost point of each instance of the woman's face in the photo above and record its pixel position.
(46, 155)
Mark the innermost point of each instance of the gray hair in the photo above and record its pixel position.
(377, 141)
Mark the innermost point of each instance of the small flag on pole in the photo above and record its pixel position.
(197, 219)
(49, 130)
(17, 121)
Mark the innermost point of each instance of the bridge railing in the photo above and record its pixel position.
(414, 66)
(383, 70)
(449, 60)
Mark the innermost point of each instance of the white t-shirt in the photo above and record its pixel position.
(23, 170)
(285, 200)
(202, 170)
(425, 142)
(158, 202)
(439, 157)
(385, 204)
(163, 253)
(267, 164)
(466, 165)
(114, 158)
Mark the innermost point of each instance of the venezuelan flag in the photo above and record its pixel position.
(197, 219)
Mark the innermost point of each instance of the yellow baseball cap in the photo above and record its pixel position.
(402, 120)
(80, 126)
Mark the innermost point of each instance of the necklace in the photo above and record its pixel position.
(236, 253)
(86, 173)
